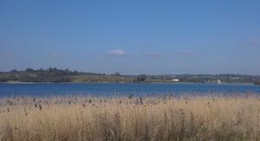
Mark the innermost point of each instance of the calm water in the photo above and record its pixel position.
(47, 90)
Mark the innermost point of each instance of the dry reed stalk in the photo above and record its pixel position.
(79, 118)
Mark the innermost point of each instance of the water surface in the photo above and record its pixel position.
(111, 89)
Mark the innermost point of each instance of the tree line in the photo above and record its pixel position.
(65, 75)
(39, 75)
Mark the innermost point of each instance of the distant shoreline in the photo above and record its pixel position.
(54, 75)
(224, 83)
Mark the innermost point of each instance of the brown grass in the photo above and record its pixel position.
(135, 119)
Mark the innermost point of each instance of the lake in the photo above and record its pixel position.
(112, 89)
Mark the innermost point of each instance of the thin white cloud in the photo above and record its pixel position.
(117, 52)
(55, 55)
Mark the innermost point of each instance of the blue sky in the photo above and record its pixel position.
(131, 37)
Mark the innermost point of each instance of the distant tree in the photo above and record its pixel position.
(257, 82)
(29, 70)
(141, 77)
(75, 73)
(41, 70)
(117, 74)
(52, 69)
(13, 71)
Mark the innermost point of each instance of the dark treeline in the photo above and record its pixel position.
(39, 75)
(65, 75)
(55, 75)
(228, 78)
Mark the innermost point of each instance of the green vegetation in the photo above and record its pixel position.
(30, 75)
(58, 75)
(130, 119)
(257, 83)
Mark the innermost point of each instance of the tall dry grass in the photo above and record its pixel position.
(125, 119)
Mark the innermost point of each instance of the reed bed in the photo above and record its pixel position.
(186, 118)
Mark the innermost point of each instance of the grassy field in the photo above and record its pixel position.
(130, 119)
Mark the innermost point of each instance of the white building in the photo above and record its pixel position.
(175, 80)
